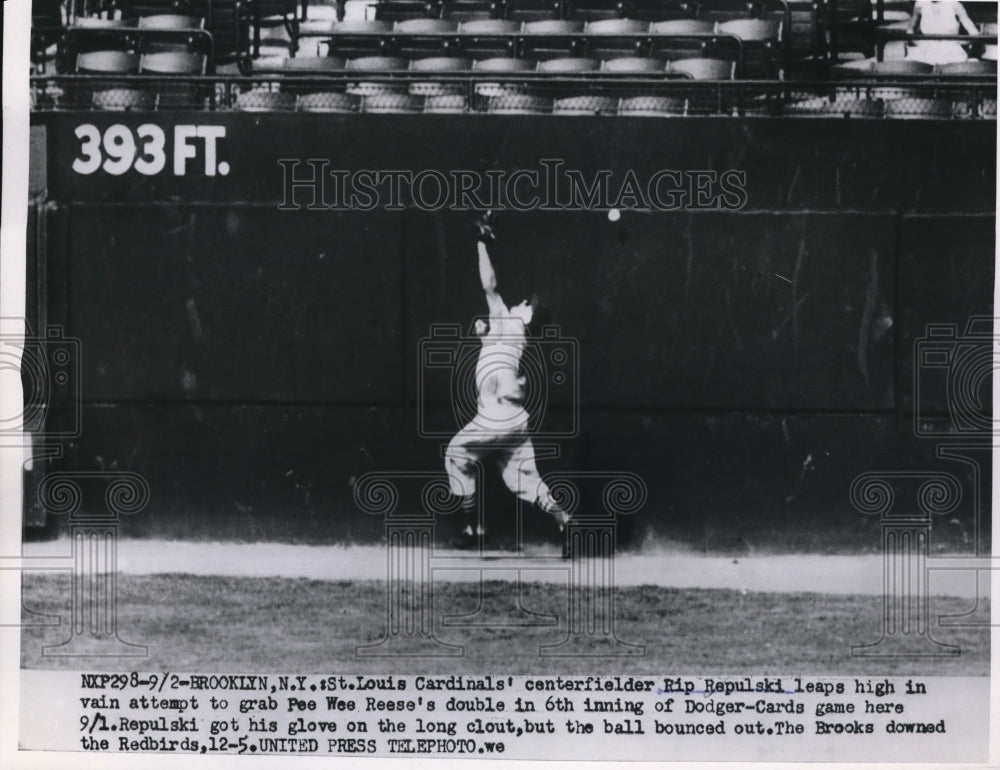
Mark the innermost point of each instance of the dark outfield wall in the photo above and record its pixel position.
(253, 361)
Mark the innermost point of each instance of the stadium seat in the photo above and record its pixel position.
(611, 38)
(504, 64)
(424, 37)
(425, 26)
(724, 10)
(179, 96)
(661, 10)
(761, 49)
(374, 65)
(489, 27)
(551, 38)
(383, 103)
(378, 63)
(973, 67)
(172, 63)
(440, 64)
(471, 10)
(703, 69)
(652, 106)
(99, 22)
(569, 64)
(532, 10)
(171, 21)
(585, 105)
(401, 10)
(686, 39)
(682, 27)
(634, 64)
(487, 38)
(519, 104)
(101, 62)
(904, 67)
(327, 101)
(312, 64)
(553, 27)
(446, 105)
(354, 39)
(594, 10)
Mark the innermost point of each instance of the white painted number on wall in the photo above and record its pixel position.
(121, 148)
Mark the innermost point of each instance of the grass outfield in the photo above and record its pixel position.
(225, 624)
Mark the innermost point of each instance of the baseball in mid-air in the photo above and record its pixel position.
(614, 215)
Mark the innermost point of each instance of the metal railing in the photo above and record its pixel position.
(603, 93)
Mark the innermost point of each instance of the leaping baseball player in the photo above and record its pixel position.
(500, 427)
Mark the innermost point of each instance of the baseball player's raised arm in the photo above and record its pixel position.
(489, 280)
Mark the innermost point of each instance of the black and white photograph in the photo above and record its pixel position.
(480, 380)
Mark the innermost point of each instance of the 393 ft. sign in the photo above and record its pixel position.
(119, 148)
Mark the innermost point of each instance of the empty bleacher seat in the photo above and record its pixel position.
(377, 65)
(489, 27)
(682, 27)
(441, 64)
(471, 10)
(424, 37)
(703, 69)
(313, 64)
(661, 10)
(99, 22)
(172, 63)
(551, 38)
(594, 10)
(171, 21)
(724, 10)
(553, 27)
(401, 10)
(532, 10)
(425, 26)
(487, 38)
(100, 62)
(610, 38)
(184, 95)
(634, 64)
(569, 64)
(761, 50)
(973, 67)
(901, 67)
(501, 65)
